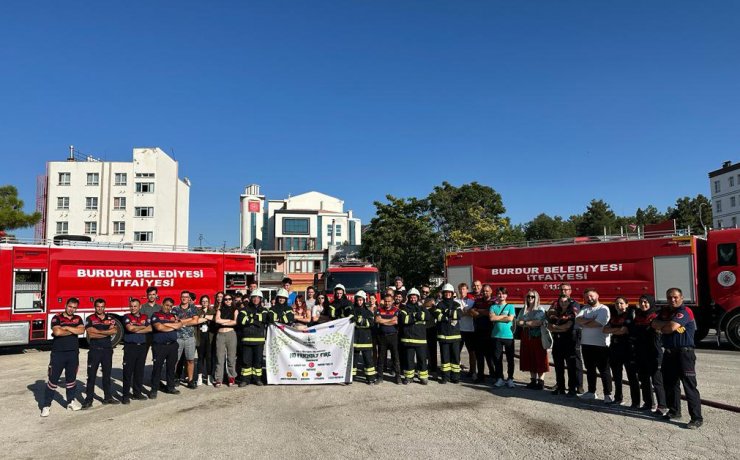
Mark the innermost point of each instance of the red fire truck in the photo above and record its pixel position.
(37, 280)
(354, 275)
(705, 268)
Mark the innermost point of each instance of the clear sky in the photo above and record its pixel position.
(552, 103)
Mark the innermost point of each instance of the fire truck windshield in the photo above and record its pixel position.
(354, 281)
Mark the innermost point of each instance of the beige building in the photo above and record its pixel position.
(141, 202)
(724, 184)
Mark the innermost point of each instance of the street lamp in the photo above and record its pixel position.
(701, 221)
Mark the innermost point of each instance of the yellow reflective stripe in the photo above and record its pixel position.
(253, 339)
(363, 345)
(449, 337)
(420, 341)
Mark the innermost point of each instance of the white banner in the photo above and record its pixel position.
(320, 354)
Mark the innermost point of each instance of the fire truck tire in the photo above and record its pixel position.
(732, 331)
(701, 334)
(119, 335)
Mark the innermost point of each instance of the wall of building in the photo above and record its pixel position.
(725, 194)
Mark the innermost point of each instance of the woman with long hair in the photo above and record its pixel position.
(301, 311)
(620, 351)
(533, 353)
(648, 355)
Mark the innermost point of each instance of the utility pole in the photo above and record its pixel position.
(200, 240)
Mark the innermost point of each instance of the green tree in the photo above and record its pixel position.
(649, 215)
(402, 241)
(686, 213)
(470, 214)
(598, 216)
(544, 227)
(11, 210)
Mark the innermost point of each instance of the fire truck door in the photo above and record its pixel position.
(29, 291)
(674, 271)
(462, 274)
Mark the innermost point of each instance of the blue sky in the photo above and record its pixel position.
(551, 103)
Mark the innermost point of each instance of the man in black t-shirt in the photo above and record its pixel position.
(100, 328)
(65, 355)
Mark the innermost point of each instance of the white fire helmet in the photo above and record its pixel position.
(256, 293)
(339, 286)
(413, 291)
(282, 293)
(361, 294)
(448, 287)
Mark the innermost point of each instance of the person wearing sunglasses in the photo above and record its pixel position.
(533, 352)
(226, 342)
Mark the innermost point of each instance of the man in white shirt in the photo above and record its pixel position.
(595, 344)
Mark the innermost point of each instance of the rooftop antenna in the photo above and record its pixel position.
(71, 153)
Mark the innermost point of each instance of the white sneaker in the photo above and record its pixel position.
(45, 411)
(74, 405)
(608, 399)
(499, 383)
(510, 383)
(589, 395)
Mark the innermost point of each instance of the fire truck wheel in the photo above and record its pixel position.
(732, 331)
(119, 335)
(701, 334)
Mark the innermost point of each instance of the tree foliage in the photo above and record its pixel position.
(598, 216)
(402, 241)
(544, 227)
(11, 210)
(686, 212)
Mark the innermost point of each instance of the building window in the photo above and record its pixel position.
(732, 181)
(140, 175)
(119, 203)
(143, 212)
(65, 178)
(734, 222)
(719, 205)
(91, 228)
(337, 230)
(268, 266)
(91, 203)
(63, 202)
(302, 266)
(719, 223)
(62, 228)
(119, 228)
(317, 266)
(295, 226)
(93, 179)
(145, 187)
(716, 186)
(732, 201)
(144, 237)
(121, 179)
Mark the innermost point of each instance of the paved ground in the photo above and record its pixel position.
(437, 421)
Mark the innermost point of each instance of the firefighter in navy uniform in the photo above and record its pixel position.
(252, 320)
(677, 326)
(364, 320)
(281, 312)
(136, 328)
(340, 306)
(164, 347)
(65, 355)
(561, 318)
(100, 328)
(447, 314)
(412, 320)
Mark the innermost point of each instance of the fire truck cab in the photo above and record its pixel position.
(354, 275)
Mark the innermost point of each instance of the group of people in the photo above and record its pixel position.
(654, 347)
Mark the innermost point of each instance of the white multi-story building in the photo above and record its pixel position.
(138, 202)
(724, 184)
(297, 235)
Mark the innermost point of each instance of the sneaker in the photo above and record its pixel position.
(588, 396)
(692, 425)
(510, 383)
(609, 400)
(671, 415)
(45, 411)
(86, 405)
(126, 400)
(111, 401)
(203, 381)
(193, 385)
(258, 382)
(499, 383)
(217, 384)
(572, 394)
(173, 391)
(243, 383)
(74, 405)
(232, 381)
(424, 382)
(152, 395)
(557, 391)
(579, 390)
(139, 397)
(660, 410)
(540, 385)
(398, 379)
